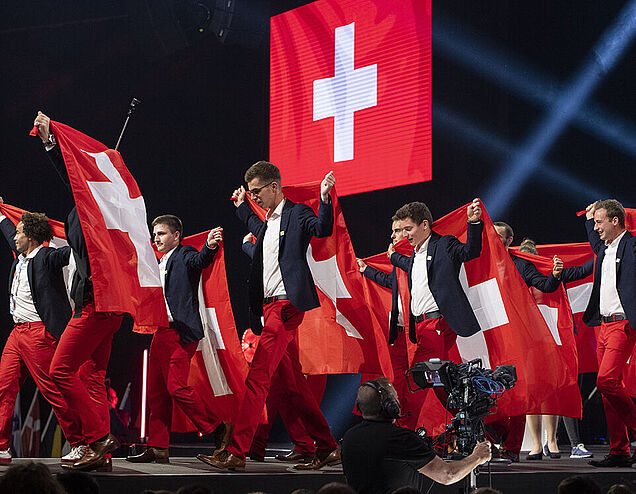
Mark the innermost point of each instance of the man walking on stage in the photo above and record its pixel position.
(86, 342)
(439, 308)
(40, 309)
(172, 348)
(612, 305)
(281, 288)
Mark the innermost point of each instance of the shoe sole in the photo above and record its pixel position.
(582, 456)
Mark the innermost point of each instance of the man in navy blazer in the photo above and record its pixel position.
(40, 308)
(439, 308)
(282, 289)
(612, 305)
(411, 402)
(172, 348)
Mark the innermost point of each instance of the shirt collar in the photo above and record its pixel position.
(424, 246)
(167, 255)
(32, 254)
(272, 215)
(616, 241)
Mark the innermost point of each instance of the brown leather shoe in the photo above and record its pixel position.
(222, 435)
(321, 459)
(295, 457)
(96, 453)
(103, 465)
(151, 455)
(223, 460)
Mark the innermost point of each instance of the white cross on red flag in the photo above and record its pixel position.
(350, 90)
(340, 336)
(112, 213)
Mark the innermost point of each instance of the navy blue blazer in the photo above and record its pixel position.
(576, 273)
(533, 277)
(298, 225)
(387, 280)
(183, 274)
(445, 256)
(625, 276)
(46, 281)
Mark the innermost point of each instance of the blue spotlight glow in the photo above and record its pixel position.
(516, 172)
(496, 147)
(495, 65)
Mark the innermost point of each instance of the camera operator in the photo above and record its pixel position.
(378, 456)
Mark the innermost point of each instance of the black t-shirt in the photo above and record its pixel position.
(379, 457)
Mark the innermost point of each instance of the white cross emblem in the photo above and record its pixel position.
(348, 91)
(128, 215)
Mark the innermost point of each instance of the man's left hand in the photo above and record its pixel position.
(557, 267)
(474, 211)
(215, 237)
(326, 185)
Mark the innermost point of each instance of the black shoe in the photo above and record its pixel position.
(535, 456)
(151, 455)
(612, 461)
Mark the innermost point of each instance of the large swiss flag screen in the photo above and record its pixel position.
(350, 91)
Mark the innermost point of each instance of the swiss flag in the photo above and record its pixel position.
(350, 90)
(218, 368)
(112, 213)
(341, 335)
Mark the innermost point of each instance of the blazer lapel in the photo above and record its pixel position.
(620, 252)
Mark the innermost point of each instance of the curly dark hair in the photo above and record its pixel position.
(37, 227)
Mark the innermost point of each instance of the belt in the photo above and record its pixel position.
(614, 318)
(435, 314)
(269, 300)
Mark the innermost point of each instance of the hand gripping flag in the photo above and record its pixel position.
(218, 368)
(112, 213)
(514, 329)
(340, 336)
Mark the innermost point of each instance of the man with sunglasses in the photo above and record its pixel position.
(281, 288)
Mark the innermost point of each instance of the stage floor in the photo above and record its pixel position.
(274, 477)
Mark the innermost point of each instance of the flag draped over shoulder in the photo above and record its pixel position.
(340, 336)
(218, 368)
(112, 213)
(515, 329)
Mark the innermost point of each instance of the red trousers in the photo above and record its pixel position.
(410, 402)
(168, 369)
(277, 351)
(30, 347)
(435, 339)
(614, 347)
(84, 351)
(278, 402)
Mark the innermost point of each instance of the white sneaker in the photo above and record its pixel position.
(5, 456)
(75, 454)
(579, 451)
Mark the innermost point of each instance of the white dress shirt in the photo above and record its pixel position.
(163, 265)
(422, 299)
(272, 278)
(21, 300)
(610, 303)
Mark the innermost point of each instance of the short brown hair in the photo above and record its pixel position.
(528, 245)
(264, 171)
(417, 211)
(613, 209)
(507, 228)
(171, 221)
(37, 227)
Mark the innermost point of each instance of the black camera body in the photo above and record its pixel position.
(468, 391)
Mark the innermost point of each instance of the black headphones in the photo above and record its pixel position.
(389, 406)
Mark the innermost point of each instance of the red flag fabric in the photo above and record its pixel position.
(218, 368)
(515, 330)
(341, 82)
(112, 213)
(340, 336)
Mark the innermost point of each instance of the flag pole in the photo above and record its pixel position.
(131, 110)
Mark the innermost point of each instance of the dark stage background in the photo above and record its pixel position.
(532, 111)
